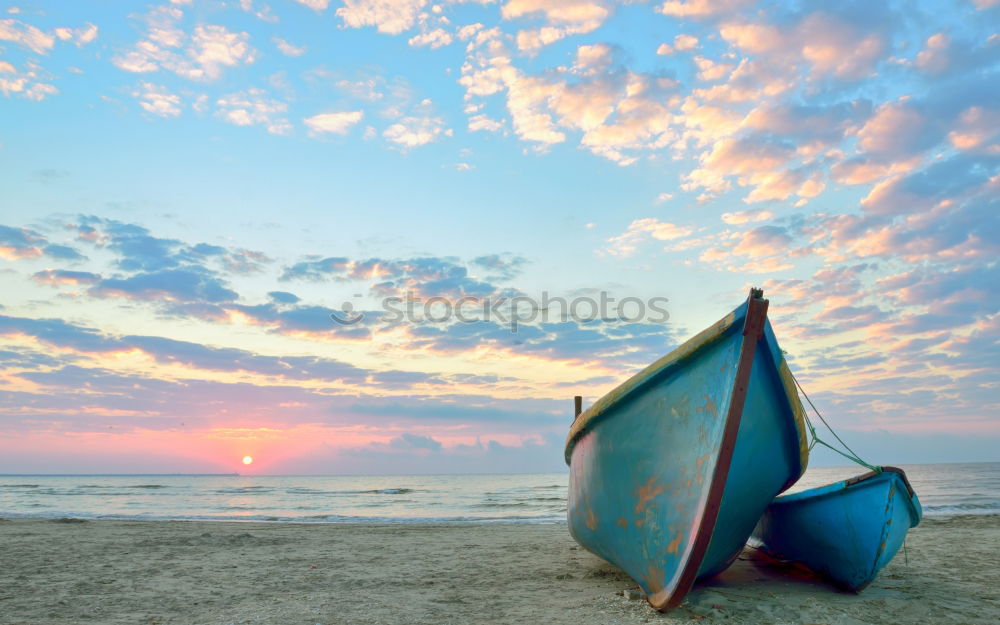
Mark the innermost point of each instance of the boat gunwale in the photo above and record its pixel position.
(834, 488)
(583, 421)
(674, 358)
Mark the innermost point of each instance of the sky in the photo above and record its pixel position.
(212, 214)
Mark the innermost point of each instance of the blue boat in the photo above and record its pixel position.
(670, 472)
(846, 531)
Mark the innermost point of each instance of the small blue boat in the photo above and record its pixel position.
(670, 472)
(846, 531)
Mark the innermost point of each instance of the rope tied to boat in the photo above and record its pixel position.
(850, 455)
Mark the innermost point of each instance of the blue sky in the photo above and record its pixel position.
(189, 188)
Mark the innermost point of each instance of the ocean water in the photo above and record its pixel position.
(537, 498)
(944, 490)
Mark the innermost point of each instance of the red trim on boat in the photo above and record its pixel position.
(753, 329)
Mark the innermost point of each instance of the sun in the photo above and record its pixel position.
(247, 460)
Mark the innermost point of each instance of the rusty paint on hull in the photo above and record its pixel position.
(846, 531)
(658, 451)
(646, 493)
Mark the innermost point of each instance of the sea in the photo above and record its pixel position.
(943, 489)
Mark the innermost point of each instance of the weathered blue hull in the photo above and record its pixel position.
(845, 531)
(670, 472)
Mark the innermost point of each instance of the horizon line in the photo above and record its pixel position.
(235, 474)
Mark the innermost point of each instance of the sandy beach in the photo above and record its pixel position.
(192, 573)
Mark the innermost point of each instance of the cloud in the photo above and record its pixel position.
(155, 99)
(751, 81)
(201, 56)
(483, 122)
(59, 277)
(317, 270)
(897, 129)
(17, 243)
(621, 345)
(846, 42)
(411, 132)
(744, 217)
(926, 317)
(416, 453)
(338, 123)
(215, 47)
(977, 129)
(25, 83)
(748, 155)
(685, 42)
(434, 39)
(763, 241)
(935, 57)
(239, 260)
(26, 35)
(137, 249)
(283, 297)
(204, 357)
(21, 243)
(422, 275)
(288, 49)
(253, 107)
(313, 322)
(814, 127)
(760, 162)
(619, 112)
(711, 71)
(63, 252)
(944, 56)
(188, 284)
(563, 17)
(862, 170)
(415, 441)
(403, 379)
(699, 9)
(59, 333)
(458, 408)
(391, 17)
(942, 184)
(193, 356)
(594, 59)
(501, 266)
(627, 243)
(163, 271)
(263, 14)
(315, 5)
(80, 36)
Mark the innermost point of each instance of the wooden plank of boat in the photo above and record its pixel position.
(670, 471)
(846, 531)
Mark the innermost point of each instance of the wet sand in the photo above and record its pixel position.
(194, 573)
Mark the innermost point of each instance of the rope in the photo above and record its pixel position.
(816, 439)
